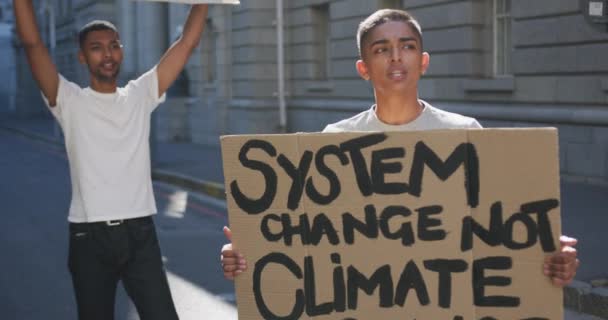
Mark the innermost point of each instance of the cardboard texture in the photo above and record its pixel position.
(447, 224)
(196, 1)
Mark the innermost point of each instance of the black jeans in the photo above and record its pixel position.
(100, 255)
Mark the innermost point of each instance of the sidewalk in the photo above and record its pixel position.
(199, 167)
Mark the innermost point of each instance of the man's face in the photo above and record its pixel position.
(102, 53)
(392, 58)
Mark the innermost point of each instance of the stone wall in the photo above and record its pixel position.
(558, 73)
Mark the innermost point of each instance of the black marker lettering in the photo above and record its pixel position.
(425, 222)
(405, 233)
(312, 309)
(324, 170)
(445, 268)
(542, 208)
(381, 278)
(297, 175)
(290, 230)
(480, 281)
(411, 278)
(282, 259)
(249, 205)
(265, 228)
(508, 231)
(380, 168)
(369, 228)
(491, 236)
(465, 154)
(354, 147)
(339, 284)
(321, 225)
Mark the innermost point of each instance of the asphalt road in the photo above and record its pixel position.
(34, 281)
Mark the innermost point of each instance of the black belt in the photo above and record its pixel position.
(111, 223)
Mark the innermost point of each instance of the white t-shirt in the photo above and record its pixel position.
(431, 118)
(107, 142)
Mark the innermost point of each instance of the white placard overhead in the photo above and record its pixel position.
(197, 1)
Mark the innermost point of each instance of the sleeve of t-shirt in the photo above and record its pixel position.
(65, 91)
(337, 127)
(331, 128)
(475, 125)
(147, 86)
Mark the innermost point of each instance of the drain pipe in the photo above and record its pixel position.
(281, 69)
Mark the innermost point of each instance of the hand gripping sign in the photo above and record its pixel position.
(434, 225)
(197, 1)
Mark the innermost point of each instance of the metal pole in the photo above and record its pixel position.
(281, 69)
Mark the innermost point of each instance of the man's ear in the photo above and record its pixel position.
(362, 70)
(426, 59)
(81, 58)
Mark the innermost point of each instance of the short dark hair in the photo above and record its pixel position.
(96, 25)
(381, 17)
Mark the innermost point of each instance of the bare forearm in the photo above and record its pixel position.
(26, 23)
(195, 23)
(40, 61)
(172, 63)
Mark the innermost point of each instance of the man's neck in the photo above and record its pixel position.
(103, 87)
(398, 110)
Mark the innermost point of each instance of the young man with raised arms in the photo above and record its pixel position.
(106, 129)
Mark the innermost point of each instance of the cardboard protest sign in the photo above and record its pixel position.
(197, 1)
(448, 224)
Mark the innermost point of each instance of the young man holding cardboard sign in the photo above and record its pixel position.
(392, 58)
(106, 128)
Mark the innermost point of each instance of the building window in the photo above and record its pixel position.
(322, 41)
(502, 37)
(389, 4)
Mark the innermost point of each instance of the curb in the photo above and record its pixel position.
(585, 298)
(32, 135)
(209, 188)
(579, 296)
